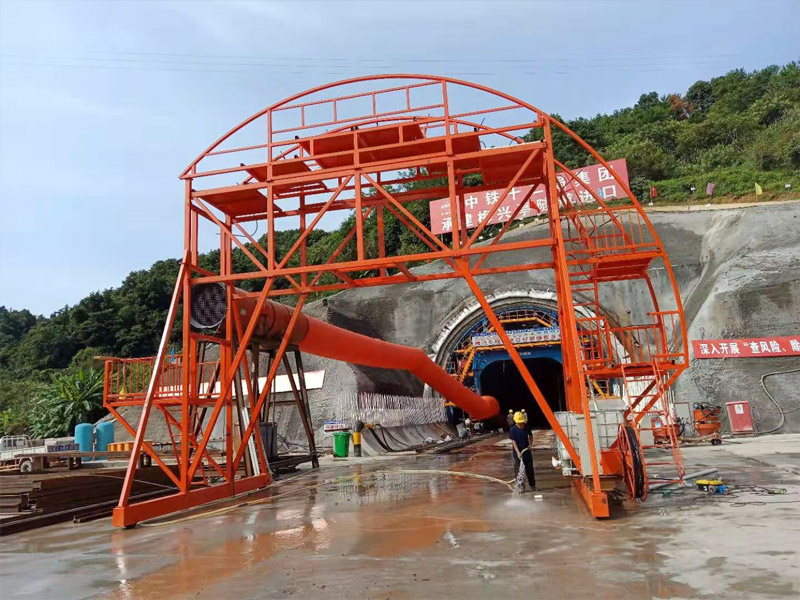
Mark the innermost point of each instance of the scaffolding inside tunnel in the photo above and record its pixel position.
(370, 146)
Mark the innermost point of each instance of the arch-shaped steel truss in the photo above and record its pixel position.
(370, 146)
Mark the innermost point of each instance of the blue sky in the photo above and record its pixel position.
(102, 104)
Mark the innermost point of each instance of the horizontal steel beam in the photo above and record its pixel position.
(130, 515)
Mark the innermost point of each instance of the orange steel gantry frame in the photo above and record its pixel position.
(370, 146)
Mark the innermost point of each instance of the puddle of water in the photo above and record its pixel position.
(199, 568)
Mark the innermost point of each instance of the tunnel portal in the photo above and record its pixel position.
(477, 357)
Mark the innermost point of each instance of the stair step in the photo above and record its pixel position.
(670, 447)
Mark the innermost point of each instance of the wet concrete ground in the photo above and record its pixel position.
(358, 530)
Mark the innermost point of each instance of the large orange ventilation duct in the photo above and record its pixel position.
(209, 307)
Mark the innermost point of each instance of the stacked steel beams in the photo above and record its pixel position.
(30, 501)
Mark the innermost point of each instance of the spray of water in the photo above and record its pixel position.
(519, 484)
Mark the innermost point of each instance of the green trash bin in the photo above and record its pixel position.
(341, 443)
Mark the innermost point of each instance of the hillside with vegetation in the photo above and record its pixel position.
(737, 130)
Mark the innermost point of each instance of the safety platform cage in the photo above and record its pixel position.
(376, 151)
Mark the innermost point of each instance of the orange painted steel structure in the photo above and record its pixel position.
(323, 339)
(370, 146)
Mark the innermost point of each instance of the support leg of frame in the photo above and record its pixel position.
(596, 501)
(130, 515)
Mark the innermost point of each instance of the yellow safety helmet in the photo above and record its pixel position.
(519, 417)
(511, 412)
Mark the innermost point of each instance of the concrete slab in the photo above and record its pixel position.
(781, 451)
(375, 529)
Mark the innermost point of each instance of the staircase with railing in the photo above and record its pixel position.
(605, 245)
(651, 412)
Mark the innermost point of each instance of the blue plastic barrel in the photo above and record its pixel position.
(104, 436)
(84, 437)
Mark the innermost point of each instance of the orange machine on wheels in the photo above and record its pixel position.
(369, 146)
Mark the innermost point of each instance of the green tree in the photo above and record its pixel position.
(48, 345)
(701, 98)
(71, 398)
(14, 325)
(17, 398)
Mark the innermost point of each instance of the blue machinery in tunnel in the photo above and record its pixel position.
(534, 330)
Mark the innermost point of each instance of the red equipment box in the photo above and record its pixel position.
(740, 417)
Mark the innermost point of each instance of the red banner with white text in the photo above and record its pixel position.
(478, 204)
(747, 348)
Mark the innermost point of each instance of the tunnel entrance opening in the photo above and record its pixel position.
(502, 380)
